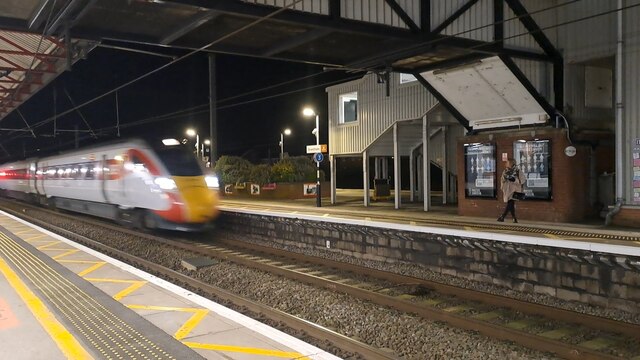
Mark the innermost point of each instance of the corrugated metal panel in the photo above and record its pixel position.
(475, 23)
(311, 6)
(587, 39)
(378, 11)
(631, 90)
(376, 111)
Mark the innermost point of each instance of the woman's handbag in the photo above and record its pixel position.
(518, 195)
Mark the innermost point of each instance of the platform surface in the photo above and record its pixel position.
(117, 312)
(443, 219)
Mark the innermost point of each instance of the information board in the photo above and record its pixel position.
(480, 170)
(534, 160)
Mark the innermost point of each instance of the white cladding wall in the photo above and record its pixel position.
(475, 23)
(376, 111)
(375, 11)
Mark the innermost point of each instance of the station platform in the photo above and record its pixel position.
(444, 220)
(61, 300)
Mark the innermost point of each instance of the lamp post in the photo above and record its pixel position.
(206, 142)
(282, 134)
(192, 133)
(309, 112)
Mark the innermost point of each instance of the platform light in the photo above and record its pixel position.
(170, 142)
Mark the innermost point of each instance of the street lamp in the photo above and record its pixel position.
(286, 132)
(206, 142)
(309, 112)
(192, 133)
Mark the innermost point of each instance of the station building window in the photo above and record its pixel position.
(348, 108)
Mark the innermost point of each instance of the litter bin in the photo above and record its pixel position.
(381, 189)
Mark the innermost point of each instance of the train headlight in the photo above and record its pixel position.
(212, 182)
(165, 183)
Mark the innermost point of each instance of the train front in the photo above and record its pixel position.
(193, 194)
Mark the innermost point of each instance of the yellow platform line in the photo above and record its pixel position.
(35, 237)
(246, 350)
(65, 341)
(24, 231)
(188, 326)
(135, 285)
(96, 265)
(60, 256)
(49, 244)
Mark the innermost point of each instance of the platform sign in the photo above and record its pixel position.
(312, 149)
(318, 157)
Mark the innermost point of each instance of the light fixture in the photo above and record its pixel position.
(170, 142)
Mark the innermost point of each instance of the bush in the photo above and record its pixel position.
(283, 171)
(260, 174)
(233, 169)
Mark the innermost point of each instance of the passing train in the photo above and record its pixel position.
(133, 182)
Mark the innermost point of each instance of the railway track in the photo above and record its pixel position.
(565, 333)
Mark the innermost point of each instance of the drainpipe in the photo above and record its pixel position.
(619, 107)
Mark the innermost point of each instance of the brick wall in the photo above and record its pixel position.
(569, 180)
(627, 217)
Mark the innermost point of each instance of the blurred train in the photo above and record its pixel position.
(129, 181)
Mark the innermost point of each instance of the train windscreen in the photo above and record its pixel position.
(179, 161)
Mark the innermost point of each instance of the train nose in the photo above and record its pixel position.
(199, 200)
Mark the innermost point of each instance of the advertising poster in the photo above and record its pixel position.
(255, 189)
(635, 155)
(534, 159)
(480, 170)
(228, 189)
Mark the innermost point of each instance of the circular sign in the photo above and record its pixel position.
(570, 151)
(318, 157)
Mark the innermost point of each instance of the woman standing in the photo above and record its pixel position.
(510, 182)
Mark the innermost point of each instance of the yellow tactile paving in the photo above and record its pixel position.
(65, 341)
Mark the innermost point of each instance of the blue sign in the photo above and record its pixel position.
(318, 157)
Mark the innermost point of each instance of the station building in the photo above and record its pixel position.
(570, 119)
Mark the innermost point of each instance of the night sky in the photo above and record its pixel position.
(245, 126)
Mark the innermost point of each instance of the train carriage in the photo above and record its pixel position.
(127, 181)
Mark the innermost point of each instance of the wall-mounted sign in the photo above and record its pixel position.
(534, 159)
(312, 149)
(255, 189)
(480, 170)
(570, 151)
(309, 189)
(228, 189)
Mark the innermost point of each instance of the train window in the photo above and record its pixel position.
(138, 164)
(179, 161)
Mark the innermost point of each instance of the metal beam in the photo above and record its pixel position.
(425, 15)
(26, 123)
(528, 85)
(64, 16)
(195, 22)
(40, 14)
(454, 16)
(403, 15)
(452, 109)
(533, 28)
(543, 41)
(498, 22)
(295, 41)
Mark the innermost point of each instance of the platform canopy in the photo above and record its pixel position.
(381, 36)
